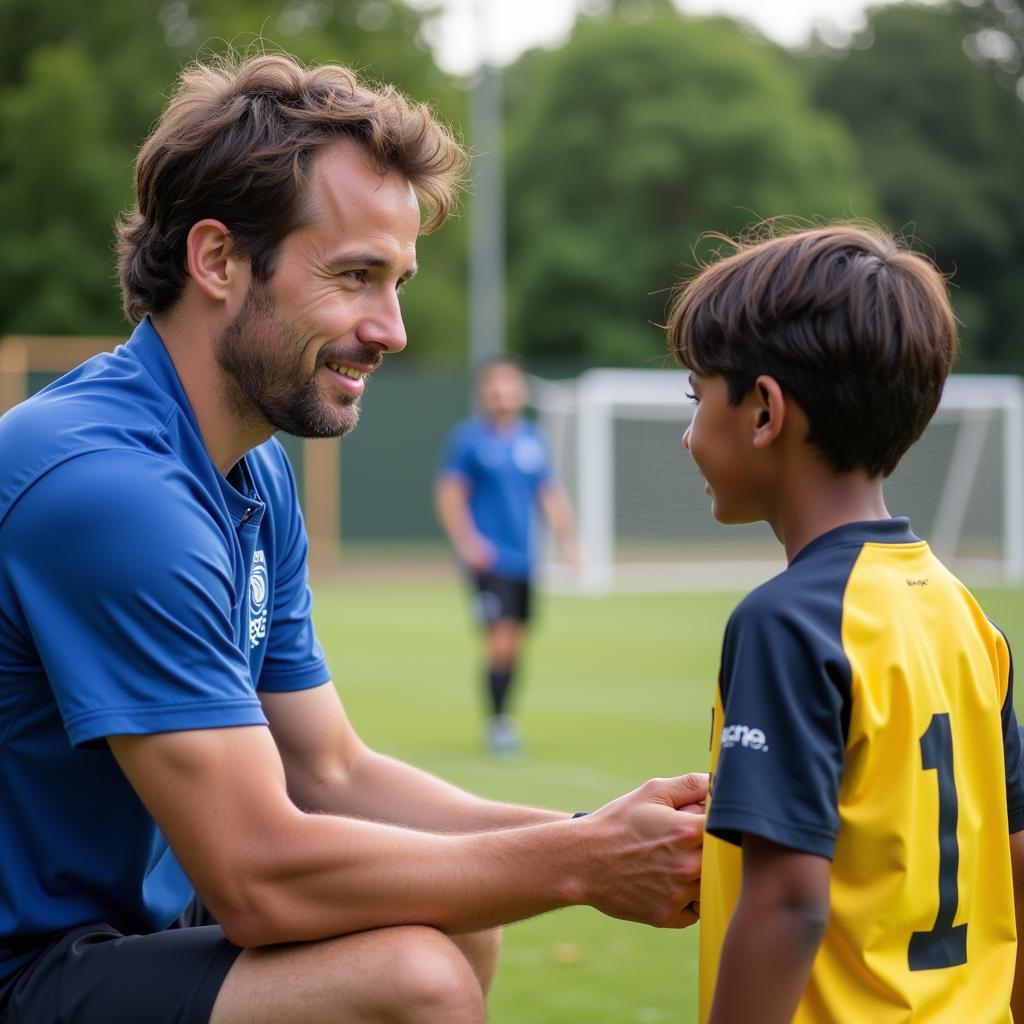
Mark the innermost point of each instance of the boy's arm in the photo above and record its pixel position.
(1017, 862)
(774, 934)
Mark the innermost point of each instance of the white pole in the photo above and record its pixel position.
(1013, 477)
(486, 202)
(595, 473)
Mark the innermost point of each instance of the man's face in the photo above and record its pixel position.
(720, 439)
(298, 352)
(501, 392)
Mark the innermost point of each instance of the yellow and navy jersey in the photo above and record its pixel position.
(864, 714)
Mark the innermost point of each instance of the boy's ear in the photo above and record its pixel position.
(769, 407)
(214, 263)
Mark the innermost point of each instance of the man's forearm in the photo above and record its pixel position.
(452, 504)
(321, 875)
(381, 788)
(558, 515)
(336, 876)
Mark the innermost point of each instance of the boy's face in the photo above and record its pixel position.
(720, 439)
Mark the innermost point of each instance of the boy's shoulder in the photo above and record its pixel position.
(809, 585)
(804, 605)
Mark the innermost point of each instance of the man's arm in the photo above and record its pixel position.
(451, 499)
(774, 934)
(554, 504)
(330, 770)
(1017, 863)
(272, 873)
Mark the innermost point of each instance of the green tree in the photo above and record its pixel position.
(80, 86)
(627, 144)
(928, 93)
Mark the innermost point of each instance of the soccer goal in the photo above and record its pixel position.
(645, 521)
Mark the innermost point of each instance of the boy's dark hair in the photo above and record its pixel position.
(236, 142)
(854, 326)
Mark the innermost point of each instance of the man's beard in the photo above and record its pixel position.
(260, 356)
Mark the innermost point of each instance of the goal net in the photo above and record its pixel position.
(645, 521)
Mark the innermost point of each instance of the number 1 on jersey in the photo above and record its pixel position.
(944, 945)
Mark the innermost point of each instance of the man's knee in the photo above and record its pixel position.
(403, 975)
(481, 949)
(434, 981)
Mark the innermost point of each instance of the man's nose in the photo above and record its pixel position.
(383, 327)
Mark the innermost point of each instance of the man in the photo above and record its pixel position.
(164, 736)
(495, 475)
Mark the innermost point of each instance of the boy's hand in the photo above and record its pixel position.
(645, 849)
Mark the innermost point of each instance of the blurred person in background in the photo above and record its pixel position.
(495, 475)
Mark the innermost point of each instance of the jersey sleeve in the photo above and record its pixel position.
(785, 693)
(123, 583)
(294, 658)
(1013, 754)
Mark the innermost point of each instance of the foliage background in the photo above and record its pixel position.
(644, 130)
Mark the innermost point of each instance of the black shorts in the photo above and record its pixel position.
(96, 975)
(500, 597)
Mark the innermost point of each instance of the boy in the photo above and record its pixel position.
(866, 760)
(495, 473)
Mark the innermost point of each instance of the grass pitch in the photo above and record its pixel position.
(613, 691)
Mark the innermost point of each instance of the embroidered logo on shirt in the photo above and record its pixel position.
(744, 736)
(258, 599)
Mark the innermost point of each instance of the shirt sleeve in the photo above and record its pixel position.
(294, 659)
(456, 457)
(1013, 755)
(124, 583)
(785, 693)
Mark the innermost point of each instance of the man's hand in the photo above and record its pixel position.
(646, 848)
(476, 552)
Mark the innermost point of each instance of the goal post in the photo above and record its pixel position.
(644, 518)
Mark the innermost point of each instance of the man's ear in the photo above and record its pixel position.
(769, 407)
(219, 270)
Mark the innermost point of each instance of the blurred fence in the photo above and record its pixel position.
(373, 490)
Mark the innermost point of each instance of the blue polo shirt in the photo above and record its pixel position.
(504, 470)
(140, 592)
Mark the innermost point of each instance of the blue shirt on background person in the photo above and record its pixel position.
(505, 468)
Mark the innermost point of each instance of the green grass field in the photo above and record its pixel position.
(614, 690)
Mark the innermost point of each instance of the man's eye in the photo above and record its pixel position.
(355, 275)
(692, 397)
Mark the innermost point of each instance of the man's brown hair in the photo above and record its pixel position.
(236, 142)
(853, 325)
